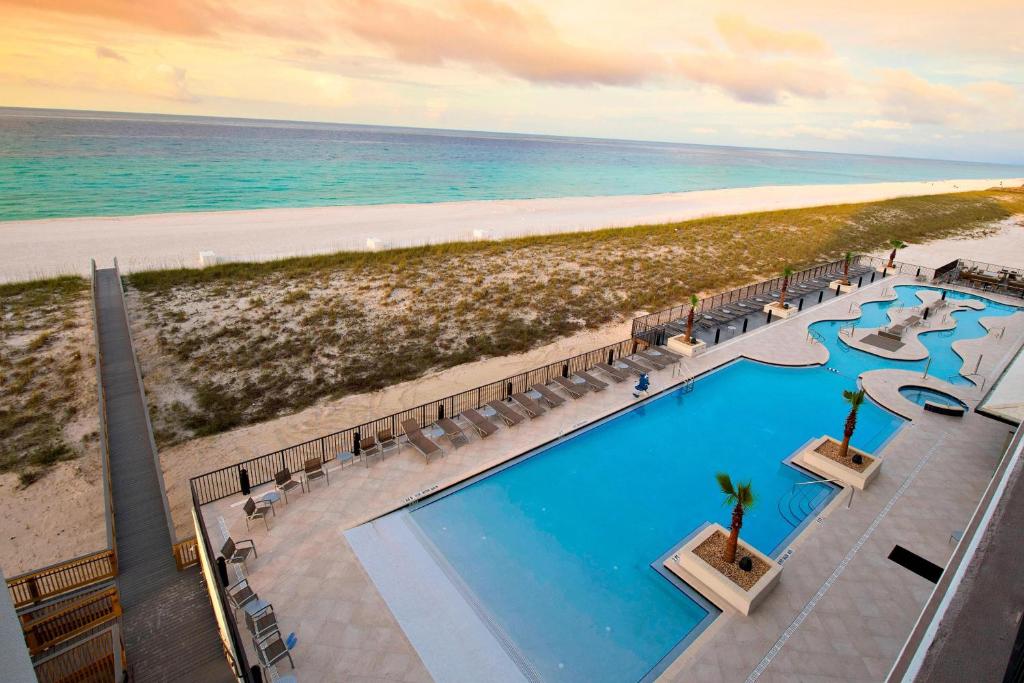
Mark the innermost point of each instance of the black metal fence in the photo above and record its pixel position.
(261, 470)
(648, 328)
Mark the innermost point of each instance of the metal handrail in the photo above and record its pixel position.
(844, 484)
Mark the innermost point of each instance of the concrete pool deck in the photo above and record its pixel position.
(936, 469)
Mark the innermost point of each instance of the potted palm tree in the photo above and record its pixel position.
(780, 308)
(838, 459)
(843, 283)
(855, 399)
(895, 244)
(741, 496)
(786, 272)
(687, 344)
(708, 559)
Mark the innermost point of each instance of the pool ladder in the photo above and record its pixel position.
(815, 336)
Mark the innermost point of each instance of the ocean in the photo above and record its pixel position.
(73, 163)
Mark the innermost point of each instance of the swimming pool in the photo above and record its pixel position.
(921, 395)
(559, 548)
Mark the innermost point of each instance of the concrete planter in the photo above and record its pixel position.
(826, 467)
(715, 586)
(778, 311)
(680, 344)
(842, 288)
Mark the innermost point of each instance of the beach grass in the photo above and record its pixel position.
(46, 358)
(241, 343)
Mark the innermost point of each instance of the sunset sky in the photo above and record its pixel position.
(936, 79)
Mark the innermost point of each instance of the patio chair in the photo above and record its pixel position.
(453, 431)
(506, 413)
(617, 374)
(481, 424)
(659, 363)
(241, 594)
(284, 482)
(257, 510)
(420, 441)
(388, 442)
(369, 447)
(314, 469)
(635, 367)
(532, 408)
(233, 554)
(572, 388)
(592, 382)
(262, 622)
(271, 649)
(550, 397)
(670, 355)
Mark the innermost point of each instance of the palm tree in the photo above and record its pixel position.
(855, 399)
(786, 272)
(847, 257)
(689, 318)
(895, 244)
(742, 497)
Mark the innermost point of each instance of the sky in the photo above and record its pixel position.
(939, 79)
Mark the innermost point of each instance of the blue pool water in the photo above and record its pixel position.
(75, 163)
(945, 362)
(920, 395)
(558, 547)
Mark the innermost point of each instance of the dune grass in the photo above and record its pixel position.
(46, 359)
(244, 342)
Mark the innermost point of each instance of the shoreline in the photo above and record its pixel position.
(47, 247)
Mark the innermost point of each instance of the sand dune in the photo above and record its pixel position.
(46, 247)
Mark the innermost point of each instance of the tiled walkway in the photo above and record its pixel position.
(169, 629)
(934, 471)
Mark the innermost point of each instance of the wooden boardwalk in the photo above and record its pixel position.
(169, 629)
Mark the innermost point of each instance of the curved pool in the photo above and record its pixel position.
(921, 395)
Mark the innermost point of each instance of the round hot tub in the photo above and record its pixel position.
(934, 401)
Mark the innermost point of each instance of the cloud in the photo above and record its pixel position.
(760, 81)
(907, 97)
(514, 39)
(881, 124)
(182, 17)
(744, 37)
(173, 84)
(104, 52)
(801, 131)
(703, 130)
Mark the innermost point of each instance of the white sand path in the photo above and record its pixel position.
(47, 247)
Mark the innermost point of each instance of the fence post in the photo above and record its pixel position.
(821, 295)
(440, 411)
(860, 282)
(800, 306)
(769, 317)
(718, 333)
(872, 276)
(355, 443)
(744, 324)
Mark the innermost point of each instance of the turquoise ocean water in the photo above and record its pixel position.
(67, 163)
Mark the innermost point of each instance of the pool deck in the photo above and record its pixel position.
(841, 611)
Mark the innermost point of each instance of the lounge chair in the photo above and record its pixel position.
(634, 366)
(592, 382)
(314, 469)
(237, 555)
(670, 355)
(550, 397)
(368, 448)
(272, 649)
(257, 510)
(420, 441)
(262, 622)
(483, 426)
(241, 594)
(506, 413)
(617, 374)
(284, 482)
(659, 363)
(453, 431)
(532, 408)
(388, 442)
(572, 388)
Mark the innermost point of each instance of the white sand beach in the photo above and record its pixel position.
(47, 247)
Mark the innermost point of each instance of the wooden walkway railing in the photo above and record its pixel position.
(186, 553)
(56, 579)
(72, 620)
(98, 658)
